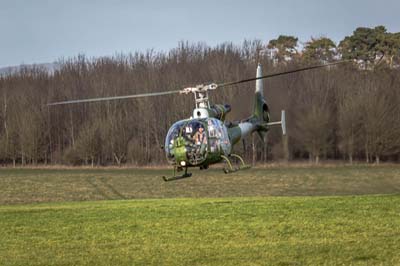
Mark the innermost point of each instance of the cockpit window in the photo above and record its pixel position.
(194, 133)
(173, 133)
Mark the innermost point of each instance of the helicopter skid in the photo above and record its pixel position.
(174, 177)
(234, 163)
(229, 171)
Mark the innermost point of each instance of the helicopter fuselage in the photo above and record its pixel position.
(200, 142)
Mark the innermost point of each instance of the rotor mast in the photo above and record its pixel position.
(201, 99)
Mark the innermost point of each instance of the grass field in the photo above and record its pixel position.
(211, 219)
(49, 185)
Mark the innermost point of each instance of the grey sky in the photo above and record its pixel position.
(44, 30)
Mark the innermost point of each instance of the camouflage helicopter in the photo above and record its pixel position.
(206, 137)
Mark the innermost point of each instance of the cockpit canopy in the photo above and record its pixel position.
(190, 141)
(187, 141)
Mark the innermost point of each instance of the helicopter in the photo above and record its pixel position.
(206, 137)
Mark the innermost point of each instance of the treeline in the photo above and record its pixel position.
(346, 112)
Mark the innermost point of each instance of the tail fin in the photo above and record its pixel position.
(261, 110)
(259, 120)
(282, 123)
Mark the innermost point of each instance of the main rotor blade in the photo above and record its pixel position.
(114, 98)
(279, 74)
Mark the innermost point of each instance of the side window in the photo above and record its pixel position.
(223, 136)
(211, 128)
(214, 147)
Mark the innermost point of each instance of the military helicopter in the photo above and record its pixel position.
(206, 138)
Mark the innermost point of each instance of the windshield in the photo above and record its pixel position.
(194, 134)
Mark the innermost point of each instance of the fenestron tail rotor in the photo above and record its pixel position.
(199, 89)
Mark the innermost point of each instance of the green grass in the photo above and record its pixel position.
(54, 217)
(362, 230)
(49, 185)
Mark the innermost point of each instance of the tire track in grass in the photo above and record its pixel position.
(111, 188)
(104, 189)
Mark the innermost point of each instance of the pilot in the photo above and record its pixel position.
(199, 136)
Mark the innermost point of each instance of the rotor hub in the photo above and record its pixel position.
(199, 88)
(200, 94)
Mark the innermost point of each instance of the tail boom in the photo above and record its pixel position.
(259, 121)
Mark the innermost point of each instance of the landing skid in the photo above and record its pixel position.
(234, 163)
(175, 177)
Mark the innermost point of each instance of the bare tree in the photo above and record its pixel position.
(314, 113)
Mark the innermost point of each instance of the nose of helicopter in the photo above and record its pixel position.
(186, 144)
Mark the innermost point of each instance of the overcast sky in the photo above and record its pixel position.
(41, 31)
